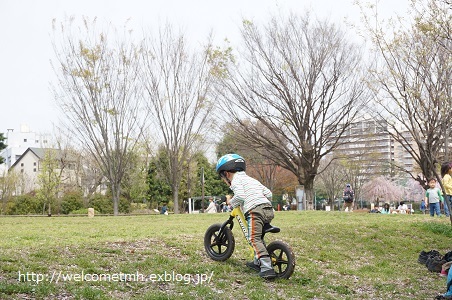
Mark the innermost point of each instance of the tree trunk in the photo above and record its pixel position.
(116, 190)
(309, 196)
(176, 198)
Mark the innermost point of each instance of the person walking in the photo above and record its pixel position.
(348, 198)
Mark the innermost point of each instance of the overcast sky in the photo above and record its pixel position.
(26, 49)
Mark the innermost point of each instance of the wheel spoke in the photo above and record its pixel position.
(280, 261)
(219, 243)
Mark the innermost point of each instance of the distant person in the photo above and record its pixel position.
(164, 210)
(212, 207)
(433, 198)
(386, 210)
(446, 174)
(402, 208)
(423, 207)
(348, 198)
(375, 210)
(222, 204)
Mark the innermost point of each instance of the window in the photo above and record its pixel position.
(22, 164)
(25, 140)
(34, 164)
(34, 169)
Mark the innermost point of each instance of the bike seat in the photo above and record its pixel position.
(270, 228)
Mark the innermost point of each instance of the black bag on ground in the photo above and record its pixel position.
(424, 256)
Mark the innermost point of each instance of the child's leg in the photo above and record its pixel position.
(438, 209)
(446, 209)
(447, 203)
(256, 219)
(432, 209)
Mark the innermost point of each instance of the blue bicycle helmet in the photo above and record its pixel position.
(231, 162)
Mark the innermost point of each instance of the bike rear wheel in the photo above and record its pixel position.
(219, 246)
(283, 259)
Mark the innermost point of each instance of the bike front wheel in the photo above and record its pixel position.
(283, 259)
(219, 245)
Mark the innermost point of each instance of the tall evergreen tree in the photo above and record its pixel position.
(2, 145)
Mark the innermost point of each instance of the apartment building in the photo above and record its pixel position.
(368, 143)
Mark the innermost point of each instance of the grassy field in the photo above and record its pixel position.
(339, 256)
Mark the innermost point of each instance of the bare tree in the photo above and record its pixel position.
(98, 91)
(294, 89)
(332, 179)
(177, 82)
(434, 18)
(9, 182)
(412, 85)
(49, 179)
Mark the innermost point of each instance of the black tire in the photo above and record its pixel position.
(283, 259)
(216, 248)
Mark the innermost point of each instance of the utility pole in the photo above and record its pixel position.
(202, 189)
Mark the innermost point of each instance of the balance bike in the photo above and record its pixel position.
(219, 243)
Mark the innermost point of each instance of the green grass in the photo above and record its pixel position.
(339, 256)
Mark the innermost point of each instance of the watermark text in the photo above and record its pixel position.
(59, 276)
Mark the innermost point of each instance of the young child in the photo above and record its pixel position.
(433, 198)
(254, 198)
(446, 174)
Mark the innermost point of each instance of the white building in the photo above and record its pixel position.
(18, 141)
(29, 166)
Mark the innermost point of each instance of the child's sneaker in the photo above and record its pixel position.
(253, 266)
(269, 274)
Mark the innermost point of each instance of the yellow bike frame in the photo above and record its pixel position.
(238, 214)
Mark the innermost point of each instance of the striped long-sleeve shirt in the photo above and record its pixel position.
(248, 192)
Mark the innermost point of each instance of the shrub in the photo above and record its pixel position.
(26, 204)
(104, 204)
(101, 203)
(70, 202)
(124, 206)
